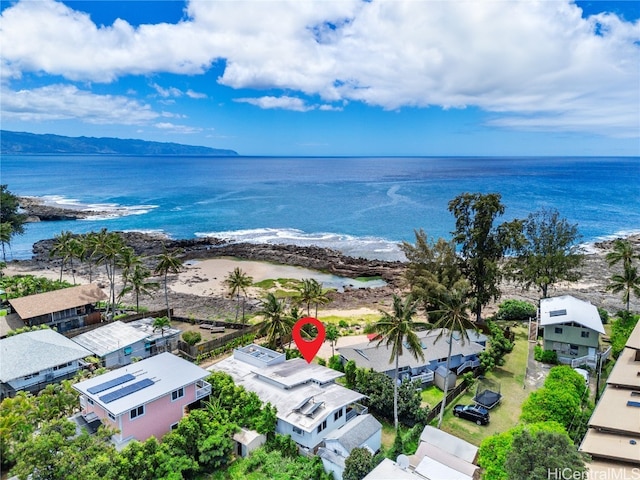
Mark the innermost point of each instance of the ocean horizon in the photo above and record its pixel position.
(362, 206)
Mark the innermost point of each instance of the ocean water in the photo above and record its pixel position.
(361, 206)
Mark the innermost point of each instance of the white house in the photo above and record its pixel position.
(310, 404)
(440, 456)
(362, 432)
(32, 360)
(572, 328)
(117, 343)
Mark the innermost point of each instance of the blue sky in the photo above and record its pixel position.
(329, 77)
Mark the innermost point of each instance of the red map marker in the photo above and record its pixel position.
(308, 348)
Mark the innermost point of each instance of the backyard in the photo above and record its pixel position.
(514, 391)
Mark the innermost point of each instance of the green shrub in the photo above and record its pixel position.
(604, 315)
(343, 324)
(335, 363)
(191, 337)
(516, 310)
(545, 356)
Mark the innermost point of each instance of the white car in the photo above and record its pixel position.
(584, 373)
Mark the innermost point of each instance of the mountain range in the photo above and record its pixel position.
(19, 143)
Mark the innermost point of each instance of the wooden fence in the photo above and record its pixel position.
(192, 351)
(451, 395)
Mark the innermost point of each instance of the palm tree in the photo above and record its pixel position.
(318, 295)
(138, 284)
(276, 325)
(107, 247)
(238, 282)
(622, 252)
(397, 329)
(454, 317)
(63, 248)
(169, 262)
(127, 261)
(628, 282)
(161, 323)
(306, 294)
(6, 231)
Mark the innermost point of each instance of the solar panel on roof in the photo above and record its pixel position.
(302, 404)
(101, 387)
(127, 390)
(633, 404)
(312, 410)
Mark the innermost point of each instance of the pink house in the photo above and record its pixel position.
(144, 398)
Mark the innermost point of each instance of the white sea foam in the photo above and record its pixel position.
(107, 210)
(590, 247)
(365, 247)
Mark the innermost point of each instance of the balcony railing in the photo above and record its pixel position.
(203, 389)
(467, 364)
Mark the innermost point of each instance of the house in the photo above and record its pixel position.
(247, 441)
(440, 456)
(63, 309)
(32, 360)
(310, 404)
(145, 398)
(464, 355)
(613, 437)
(117, 343)
(571, 328)
(160, 340)
(362, 432)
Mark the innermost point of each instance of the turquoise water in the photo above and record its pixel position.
(362, 206)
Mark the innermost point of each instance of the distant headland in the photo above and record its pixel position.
(23, 143)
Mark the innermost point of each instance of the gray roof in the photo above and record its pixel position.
(356, 432)
(146, 325)
(31, 352)
(167, 371)
(370, 355)
(567, 309)
(280, 385)
(110, 338)
(449, 443)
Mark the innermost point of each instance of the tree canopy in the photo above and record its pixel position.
(545, 250)
(480, 244)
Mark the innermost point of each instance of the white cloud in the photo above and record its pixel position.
(284, 103)
(61, 102)
(173, 128)
(536, 64)
(196, 95)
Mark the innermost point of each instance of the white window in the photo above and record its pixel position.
(176, 394)
(137, 412)
(298, 431)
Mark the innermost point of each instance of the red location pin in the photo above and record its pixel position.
(308, 348)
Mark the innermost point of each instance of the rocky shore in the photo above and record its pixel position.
(39, 211)
(592, 286)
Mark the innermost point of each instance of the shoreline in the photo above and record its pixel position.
(199, 290)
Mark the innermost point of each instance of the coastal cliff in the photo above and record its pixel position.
(21, 143)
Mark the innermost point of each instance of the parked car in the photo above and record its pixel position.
(584, 373)
(475, 413)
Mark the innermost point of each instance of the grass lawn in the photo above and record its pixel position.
(431, 396)
(388, 434)
(505, 415)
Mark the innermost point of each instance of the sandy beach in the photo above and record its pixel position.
(199, 289)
